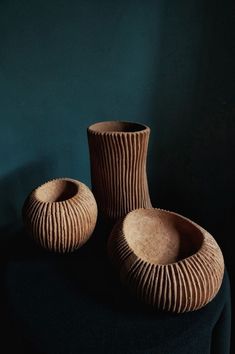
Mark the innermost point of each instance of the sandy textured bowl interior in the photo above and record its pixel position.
(159, 237)
(117, 126)
(56, 191)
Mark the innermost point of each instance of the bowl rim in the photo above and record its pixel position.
(200, 250)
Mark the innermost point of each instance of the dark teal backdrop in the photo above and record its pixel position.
(169, 64)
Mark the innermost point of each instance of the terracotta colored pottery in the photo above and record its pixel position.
(60, 214)
(167, 260)
(118, 152)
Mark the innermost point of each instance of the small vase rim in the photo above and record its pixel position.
(67, 180)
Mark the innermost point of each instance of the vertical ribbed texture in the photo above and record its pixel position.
(61, 226)
(186, 285)
(118, 171)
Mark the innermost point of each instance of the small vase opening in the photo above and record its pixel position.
(56, 191)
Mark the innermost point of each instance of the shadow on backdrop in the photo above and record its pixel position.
(190, 164)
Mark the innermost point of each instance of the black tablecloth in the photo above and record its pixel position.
(76, 304)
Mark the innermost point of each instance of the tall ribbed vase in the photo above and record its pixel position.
(118, 154)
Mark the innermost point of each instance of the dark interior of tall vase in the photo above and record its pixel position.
(118, 156)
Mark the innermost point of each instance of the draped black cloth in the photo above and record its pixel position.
(76, 304)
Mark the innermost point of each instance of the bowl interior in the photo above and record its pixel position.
(161, 237)
(57, 190)
(117, 126)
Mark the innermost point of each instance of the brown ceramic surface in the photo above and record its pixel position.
(167, 260)
(118, 153)
(60, 214)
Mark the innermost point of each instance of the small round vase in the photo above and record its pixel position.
(60, 214)
(118, 154)
(166, 260)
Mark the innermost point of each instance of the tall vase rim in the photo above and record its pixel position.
(118, 127)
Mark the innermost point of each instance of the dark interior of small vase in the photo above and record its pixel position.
(117, 126)
(161, 237)
(57, 190)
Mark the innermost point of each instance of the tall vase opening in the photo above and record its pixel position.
(57, 190)
(117, 126)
